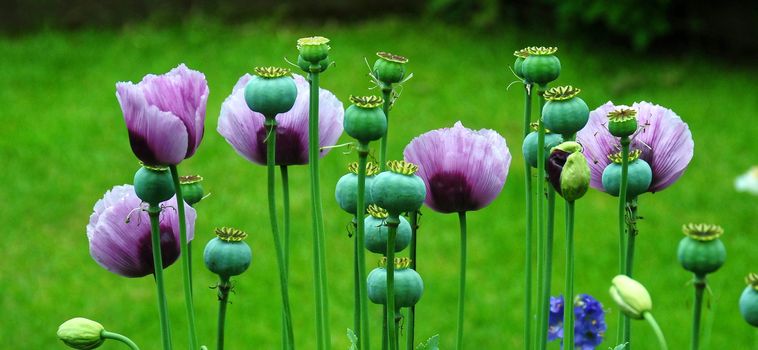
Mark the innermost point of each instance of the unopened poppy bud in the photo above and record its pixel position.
(271, 91)
(364, 119)
(541, 66)
(622, 122)
(749, 300)
(192, 190)
(227, 254)
(153, 184)
(389, 68)
(639, 175)
(81, 333)
(399, 190)
(568, 170)
(631, 296)
(701, 251)
(564, 112)
(313, 49)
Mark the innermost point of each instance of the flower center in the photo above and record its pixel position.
(271, 72)
(230, 234)
(371, 168)
(702, 232)
(190, 179)
(366, 101)
(523, 53)
(541, 50)
(312, 41)
(289, 146)
(377, 211)
(402, 167)
(561, 93)
(622, 115)
(392, 57)
(400, 263)
(633, 155)
(451, 192)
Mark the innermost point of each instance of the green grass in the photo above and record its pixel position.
(63, 144)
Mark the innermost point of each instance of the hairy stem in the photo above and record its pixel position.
(224, 287)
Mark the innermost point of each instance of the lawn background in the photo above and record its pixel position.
(63, 144)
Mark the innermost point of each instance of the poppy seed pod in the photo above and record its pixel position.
(271, 91)
(346, 191)
(529, 147)
(749, 300)
(192, 190)
(519, 63)
(389, 68)
(408, 284)
(364, 119)
(564, 112)
(541, 66)
(227, 254)
(701, 251)
(81, 333)
(377, 231)
(313, 49)
(631, 296)
(568, 171)
(639, 175)
(153, 184)
(622, 122)
(399, 190)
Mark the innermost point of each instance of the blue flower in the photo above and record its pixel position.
(589, 321)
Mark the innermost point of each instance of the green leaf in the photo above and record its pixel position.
(432, 343)
(353, 339)
(620, 347)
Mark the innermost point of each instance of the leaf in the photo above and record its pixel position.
(620, 347)
(353, 339)
(432, 343)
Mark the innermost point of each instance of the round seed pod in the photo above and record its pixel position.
(749, 300)
(306, 66)
(408, 285)
(564, 112)
(364, 119)
(529, 147)
(153, 184)
(346, 191)
(622, 122)
(399, 190)
(377, 231)
(518, 64)
(192, 190)
(701, 251)
(227, 254)
(541, 66)
(271, 91)
(639, 176)
(389, 68)
(313, 49)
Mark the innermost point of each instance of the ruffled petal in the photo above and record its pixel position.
(598, 143)
(240, 126)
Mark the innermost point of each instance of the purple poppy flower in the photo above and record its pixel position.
(165, 115)
(244, 129)
(589, 321)
(463, 169)
(663, 138)
(119, 233)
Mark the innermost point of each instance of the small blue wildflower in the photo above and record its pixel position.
(589, 325)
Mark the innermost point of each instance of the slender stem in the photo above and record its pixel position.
(568, 313)
(548, 266)
(286, 219)
(386, 94)
(122, 338)
(656, 329)
(409, 341)
(319, 250)
(461, 280)
(155, 237)
(392, 223)
(356, 287)
(623, 320)
(224, 287)
(542, 311)
(529, 218)
(631, 228)
(186, 277)
(385, 331)
(364, 338)
(271, 167)
(398, 321)
(697, 310)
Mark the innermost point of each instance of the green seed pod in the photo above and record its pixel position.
(408, 284)
(81, 333)
(701, 251)
(306, 66)
(192, 190)
(313, 49)
(389, 68)
(564, 112)
(568, 170)
(749, 300)
(631, 296)
(399, 190)
(227, 255)
(529, 148)
(153, 184)
(518, 64)
(364, 119)
(622, 122)
(271, 91)
(639, 175)
(377, 231)
(541, 66)
(346, 191)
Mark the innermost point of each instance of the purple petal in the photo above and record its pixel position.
(598, 143)
(156, 137)
(463, 169)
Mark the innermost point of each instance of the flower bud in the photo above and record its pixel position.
(153, 184)
(639, 175)
(399, 190)
(377, 231)
(313, 49)
(749, 300)
(389, 68)
(227, 255)
(364, 119)
(518, 64)
(630, 296)
(192, 190)
(81, 333)
(541, 66)
(568, 170)
(564, 113)
(529, 148)
(622, 122)
(346, 191)
(270, 91)
(408, 284)
(701, 251)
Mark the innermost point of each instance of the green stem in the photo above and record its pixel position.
(623, 320)
(542, 311)
(529, 218)
(271, 167)
(547, 274)
(356, 287)
(398, 321)
(409, 341)
(385, 331)
(363, 339)
(656, 329)
(155, 235)
(386, 94)
(392, 222)
(631, 229)
(319, 250)
(186, 276)
(461, 280)
(697, 310)
(122, 338)
(286, 219)
(568, 308)
(224, 287)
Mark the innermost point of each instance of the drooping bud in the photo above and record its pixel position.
(541, 66)
(81, 333)
(271, 91)
(568, 170)
(701, 251)
(631, 296)
(364, 119)
(192, 190)
(227, 254)
(389, 68)
(564, 112)
(153, 184)
(639, 175)
(313, 49)
(399, 190)
(749, 300)
(622, 122)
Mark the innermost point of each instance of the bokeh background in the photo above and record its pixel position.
(63, 144)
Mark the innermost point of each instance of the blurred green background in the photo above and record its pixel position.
(63, 144)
